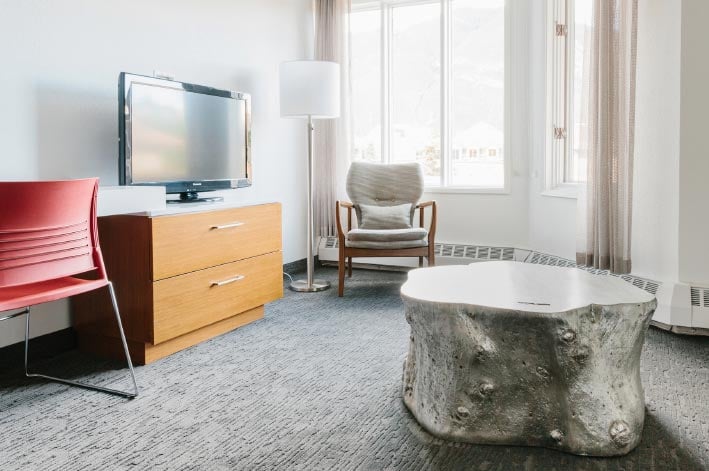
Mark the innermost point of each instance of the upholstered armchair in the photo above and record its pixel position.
(385, 199)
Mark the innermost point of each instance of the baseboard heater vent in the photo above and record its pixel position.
(546, 259)
(474, 252)
(699, 296)
(331, 243)
(446, 254)
(650, 286)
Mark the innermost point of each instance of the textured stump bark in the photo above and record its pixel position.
(516, 373)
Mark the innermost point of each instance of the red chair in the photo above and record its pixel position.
(48, 233)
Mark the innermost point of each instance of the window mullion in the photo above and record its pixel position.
(569, 91)
(559, 94)
(558, 97)
(562, 45)
(386, 29)
(565, 93)
(445, 91)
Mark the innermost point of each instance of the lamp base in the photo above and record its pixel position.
(302, 286)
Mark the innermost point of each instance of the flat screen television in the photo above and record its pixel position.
(189, 138)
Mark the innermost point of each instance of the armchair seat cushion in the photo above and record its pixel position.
(387, 238)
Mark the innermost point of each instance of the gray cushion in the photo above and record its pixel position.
(387, 239)
(385, 217)
(384, 235)
(404, 244)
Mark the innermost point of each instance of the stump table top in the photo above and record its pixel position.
(519, 286)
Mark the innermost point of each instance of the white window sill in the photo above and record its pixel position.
(565, 190)
(466, 190)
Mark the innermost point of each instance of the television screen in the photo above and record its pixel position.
(186, 137)
(178, 135)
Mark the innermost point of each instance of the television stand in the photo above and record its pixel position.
(181, 278)
(193, 197)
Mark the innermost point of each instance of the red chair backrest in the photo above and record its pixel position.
(48, 230)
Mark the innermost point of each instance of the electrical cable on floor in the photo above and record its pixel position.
(289, 277)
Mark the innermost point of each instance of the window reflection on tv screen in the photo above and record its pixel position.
(180, 135)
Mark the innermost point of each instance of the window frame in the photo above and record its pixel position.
(559, 99)
(386, 29)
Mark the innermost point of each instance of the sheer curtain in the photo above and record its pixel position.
(605, 204)
(332, 136)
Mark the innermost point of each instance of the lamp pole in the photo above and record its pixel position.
(310, 285)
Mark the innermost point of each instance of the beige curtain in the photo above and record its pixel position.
(605, 227)
(332, 136)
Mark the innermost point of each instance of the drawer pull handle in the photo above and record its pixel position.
(227, 226)
(228, 280)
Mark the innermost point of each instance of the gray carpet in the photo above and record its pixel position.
(314, 385)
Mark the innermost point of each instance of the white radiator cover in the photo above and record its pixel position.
(680, 308)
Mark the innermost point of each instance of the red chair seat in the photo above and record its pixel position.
(21, 296)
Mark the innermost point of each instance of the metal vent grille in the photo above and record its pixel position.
(454, 250)
(648, 285)
(651, 286)
(544, 259)
(475, 252)
(700, 297)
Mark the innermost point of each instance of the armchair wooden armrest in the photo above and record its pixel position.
(432, 227)
(341, 241)
(338, 206)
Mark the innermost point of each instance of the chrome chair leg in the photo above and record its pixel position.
(77, 383)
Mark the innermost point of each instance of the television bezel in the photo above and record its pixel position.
(125, 81)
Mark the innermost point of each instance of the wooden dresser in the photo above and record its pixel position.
(182, 278)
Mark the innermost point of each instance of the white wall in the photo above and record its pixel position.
(694, 150)
(58, 88)
(499, 220)
(656, 164)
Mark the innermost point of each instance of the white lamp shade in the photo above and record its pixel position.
(310, 88)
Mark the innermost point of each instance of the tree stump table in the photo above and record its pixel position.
(512, 353)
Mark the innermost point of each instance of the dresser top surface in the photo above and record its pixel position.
(189, 208)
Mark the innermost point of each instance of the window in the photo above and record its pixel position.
(428, 85)
(365, 31)
(567, 63)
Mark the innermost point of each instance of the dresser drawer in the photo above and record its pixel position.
(187, 302)
(189, 242)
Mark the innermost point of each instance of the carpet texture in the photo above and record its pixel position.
(315, 385)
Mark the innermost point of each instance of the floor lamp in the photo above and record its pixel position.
(310, 89)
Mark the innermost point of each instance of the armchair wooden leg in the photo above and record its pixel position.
(341, 275)
(420, 262)
(431, 256)
(349, 267)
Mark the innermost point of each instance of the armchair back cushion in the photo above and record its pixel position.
(385, 185)
(385, 217)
